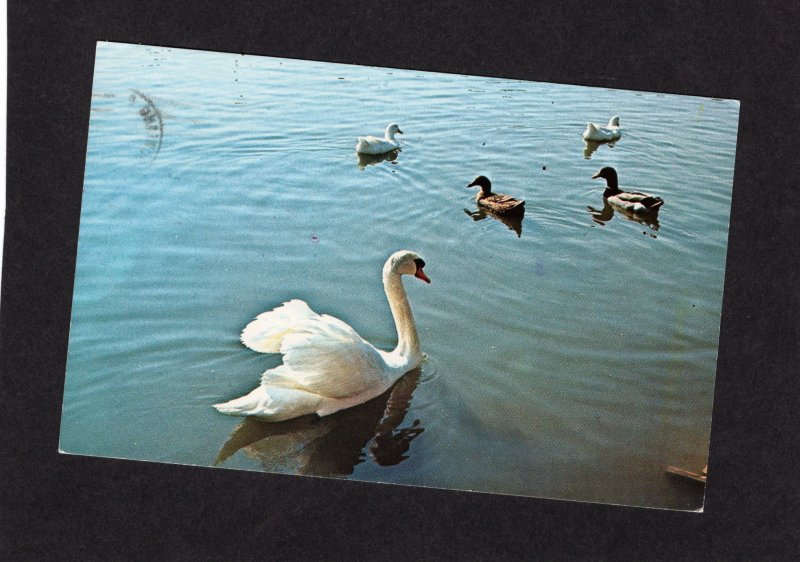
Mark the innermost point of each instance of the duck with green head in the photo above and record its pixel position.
(629, 201)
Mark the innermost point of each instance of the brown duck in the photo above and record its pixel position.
(496, 202)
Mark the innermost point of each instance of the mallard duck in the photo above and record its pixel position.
(497, 202)
(327, 366)
(375, 145)
(629, 201)
(599, 133)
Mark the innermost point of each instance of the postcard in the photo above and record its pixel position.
(403, 277)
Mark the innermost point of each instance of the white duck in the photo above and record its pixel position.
(375, 145)
(598, 133)
(327, 366)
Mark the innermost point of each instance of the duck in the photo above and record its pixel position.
(327, 366)
(375, 145)
(496, 202)
(628, 201)
(599, 133)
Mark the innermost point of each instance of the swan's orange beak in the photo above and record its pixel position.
(421, 275)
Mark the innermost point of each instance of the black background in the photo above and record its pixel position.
(63, 507)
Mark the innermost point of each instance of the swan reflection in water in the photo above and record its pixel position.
(513, 222)
(605, 214)
(332, 445)
(365, 160)
(590, 147)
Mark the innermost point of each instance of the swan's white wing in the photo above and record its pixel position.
(325, 356)
(264, 334)
(370, 139)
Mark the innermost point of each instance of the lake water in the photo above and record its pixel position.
(574, 359)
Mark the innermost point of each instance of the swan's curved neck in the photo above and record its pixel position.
(407, 338)
(388, 135)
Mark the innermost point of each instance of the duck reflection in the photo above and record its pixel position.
(605, 214)
(365, 160)
(513, 222)
(335, 444)
(590, 147)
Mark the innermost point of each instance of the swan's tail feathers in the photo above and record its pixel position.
(264, 334)
(652, 203)
(272, 404)
(243, 406)
(591, 130)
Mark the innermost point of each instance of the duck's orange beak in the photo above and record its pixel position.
(421, 275)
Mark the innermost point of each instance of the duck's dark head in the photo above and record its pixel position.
(482, 182)
(610, 175)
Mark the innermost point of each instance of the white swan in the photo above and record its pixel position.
(375, 145)
(327, 366)
(598, 133)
